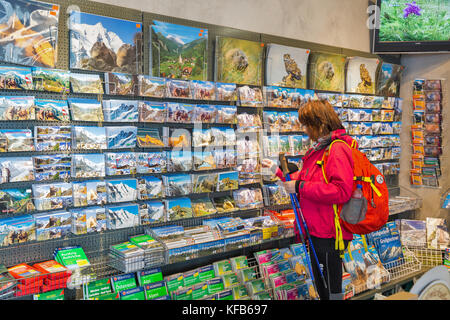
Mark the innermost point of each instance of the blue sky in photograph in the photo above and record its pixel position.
(182, 33)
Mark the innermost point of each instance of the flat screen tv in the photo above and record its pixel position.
(412, 26)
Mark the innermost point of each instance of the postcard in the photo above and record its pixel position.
(151, 162)
(88, 220)
(250, 97)
(105, 44)
(86, 83)
(150, 111)
(52, 225)
(203, 90)
(203, 207)
(203, 160)
(151, 86)
(53, 167)
(179, 161)
(225, 158)
(326, 71)
(17, 230)
(152, 212)
(149, 187)
(121, 137)
(228, 181)
(51, 80)
(121, 84)
(180, 113)
(14, 140)
(89, 138)
(361, 75)
(14, 169)
(177, 137)
(120, 110)
(52, 196)
(226, 91)
(204, 183)
(121, 163)
(16, 201)
(149, 138)
(51, 110)
(177, 185)
(86, 109)
(202, 137)
(88, 165)
(204, 114)
(52, 138)
(178, 89)
(178, 208)
(122, 190)
(226, 114)
(223, 136)
(122, 216)
(17, 108)
(88, 193)
(225, 204)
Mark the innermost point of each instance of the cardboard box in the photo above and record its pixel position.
(402, 296)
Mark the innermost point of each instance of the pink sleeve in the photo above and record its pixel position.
(294, 176)
(339, 172)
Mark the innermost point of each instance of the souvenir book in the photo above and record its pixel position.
(52, 196)
(89, 193)
(88, 165)
(15, 169)
(96, 288)
(123, 163)
(180, 113)
(86, 110)
(53, 167)
(87, 220)
(204, 114)
(15, 78)
(155, 290)
(286, 66)
(178, 208)
(149, 138)
(203, 160)
(149, 187)
(52, 225)
(120, 110)
(52, 138)
(16, 201)
(151, 162)
(122, 216)
(151, 86)
(121, 137)
(14, 140)
(17, 108)
(72, 257)
(51, 80)
(89, 138)
(177, 185)
(86, 83)
(204, 183)
(389, 249)
(152, 212)
(121, 84)
(17, 229)
(179, 161)
(104, 44)
(52, 110)
(123, 190)
(226, 91)
(151, 111)
(228, 181)
(202, 207)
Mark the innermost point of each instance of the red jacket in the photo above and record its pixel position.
(316, 197)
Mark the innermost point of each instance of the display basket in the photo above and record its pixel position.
(428, 257)
(407, 200)
(403, 267)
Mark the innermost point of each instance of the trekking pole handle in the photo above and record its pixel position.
(283, 163)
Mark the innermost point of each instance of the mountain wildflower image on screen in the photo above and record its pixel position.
(420, 20)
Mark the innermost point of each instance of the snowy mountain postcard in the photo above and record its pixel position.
(121, 137)
(89, 138)
(29, 32)
(123, 216)
(178, 52)
(88, 165)
(121, 190)
(105, 44)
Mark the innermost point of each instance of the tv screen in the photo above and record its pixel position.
(413, 26)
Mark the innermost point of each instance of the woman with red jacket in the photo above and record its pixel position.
(317, 196)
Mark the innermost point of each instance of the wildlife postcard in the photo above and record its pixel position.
(286, 66)
(85, 109)
(327, 72)
(203, 90)
(104, 44)
(52, 110)
(203, 207)
(17, 108)
(16, 78)
(238, 61)
(29, 32)
(361, 75)
(179, 112)
(204, 114)
(178, 89)
(151, 86)
(389, 79)
(178, 51)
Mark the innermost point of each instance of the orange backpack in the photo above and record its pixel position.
(375, 202)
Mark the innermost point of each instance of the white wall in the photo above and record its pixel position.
(340, 23)
(425, 66)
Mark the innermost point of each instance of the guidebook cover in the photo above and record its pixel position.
(238, 61)
(14, 169)
(120, 110)
(104, 43)
(52, 110)
(389, 249)
(16, 201)
(179, 208)
(88, 165)
(29, 32)
(361, 75)
(121, 137)
(326, 72)
(151, 111)
(178, 51)
(149, 187)
(86, 109)
(121, 190)
(17, 108)
(89, 138)
(86, 83)
(122, 216)
(152, 212)
(286, 66)
(51, 80)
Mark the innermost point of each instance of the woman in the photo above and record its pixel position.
(317, 196)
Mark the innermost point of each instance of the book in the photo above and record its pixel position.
(52, 167)
(151, 86)
(151, 162)
(202, 207)
(14, 169)
(57, 138)
(16, 140)
(178, 208)
(389, 249)
(149, 187)
(151, 111)
(17, 108)
(96, 288)
(413, 232)
(120, 110)
(51, 110)
(88, 165)
(18, 229)
(123, 282)
(121, 137)
(85, 109)
(72, 257)
(16, 201)
(149, 138)
(122, 163)
(120, 84)
(122, 216)
(51, 80)
(52, 271)
(86, 83)
(122, 190)
(155, 290)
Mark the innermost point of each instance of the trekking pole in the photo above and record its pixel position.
(297, 209)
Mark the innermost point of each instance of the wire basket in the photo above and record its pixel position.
(428, 257)
(403, 267)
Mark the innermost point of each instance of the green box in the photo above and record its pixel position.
(199, 291)
(107, 296)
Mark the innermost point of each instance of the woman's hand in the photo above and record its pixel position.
(289, 186)
(272, 165)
